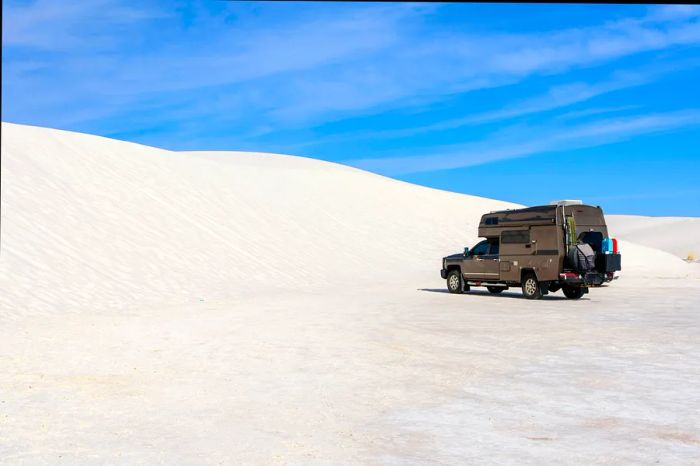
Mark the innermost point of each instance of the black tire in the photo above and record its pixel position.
(495, 289)
(531, 287)
(455, 283)
(573, 292)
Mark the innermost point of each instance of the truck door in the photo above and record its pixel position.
(491, 260)
(483, 262)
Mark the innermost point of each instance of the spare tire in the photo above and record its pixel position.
(581, 257)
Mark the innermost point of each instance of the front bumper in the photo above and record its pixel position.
(443, 273)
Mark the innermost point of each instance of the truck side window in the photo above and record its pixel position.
(480, 249)
(493, 248)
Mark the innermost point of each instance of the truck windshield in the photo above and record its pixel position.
(480, 249)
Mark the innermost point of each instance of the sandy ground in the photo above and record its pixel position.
(234, 308)
(391, 375)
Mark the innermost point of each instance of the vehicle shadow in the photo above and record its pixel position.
(515, 294)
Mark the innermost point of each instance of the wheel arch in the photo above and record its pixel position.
(451, 267)
(528, 271)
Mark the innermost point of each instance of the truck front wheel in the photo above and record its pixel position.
(531, 287)
(454, 282)
(573, 292)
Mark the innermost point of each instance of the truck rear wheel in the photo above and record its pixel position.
(531, 287)
(495, 289)
(455, 283)
(573, 292)
(554, 287)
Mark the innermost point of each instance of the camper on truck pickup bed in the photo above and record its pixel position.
(564, 245)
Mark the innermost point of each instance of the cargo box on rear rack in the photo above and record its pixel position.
(608, 262)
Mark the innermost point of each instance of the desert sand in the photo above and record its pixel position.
(677, 235)
(162, 307)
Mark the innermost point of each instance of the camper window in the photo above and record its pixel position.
(515, 236)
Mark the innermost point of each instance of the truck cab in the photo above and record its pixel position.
(542, 249)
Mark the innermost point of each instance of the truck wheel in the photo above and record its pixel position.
(531, 287)
(573, 292)
(454, 282)
(495, 289)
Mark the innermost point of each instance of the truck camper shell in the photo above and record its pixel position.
(586, 217)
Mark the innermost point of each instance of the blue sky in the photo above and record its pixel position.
(597, 102)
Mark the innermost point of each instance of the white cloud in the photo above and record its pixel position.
(525, 141)
(66, 26)
(674, 12)
(556, 97)
(433, 65)
(309, 66)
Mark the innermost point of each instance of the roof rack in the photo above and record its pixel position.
(567, 202)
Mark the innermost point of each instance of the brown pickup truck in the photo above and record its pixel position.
(542, 249)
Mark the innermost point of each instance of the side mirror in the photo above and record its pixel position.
(466, 251)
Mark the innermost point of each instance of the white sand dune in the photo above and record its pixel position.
(221, 308)
(90, 222)
(677, 235)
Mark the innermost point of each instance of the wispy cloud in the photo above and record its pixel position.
(475, 62)
(51, 26)
(565, 95)
(394, 88)
(595, 111)
(84, 49)
(674, 12)
(291, 69)
(525, 141)
(556, 97)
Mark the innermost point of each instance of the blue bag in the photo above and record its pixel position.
(607, 246)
